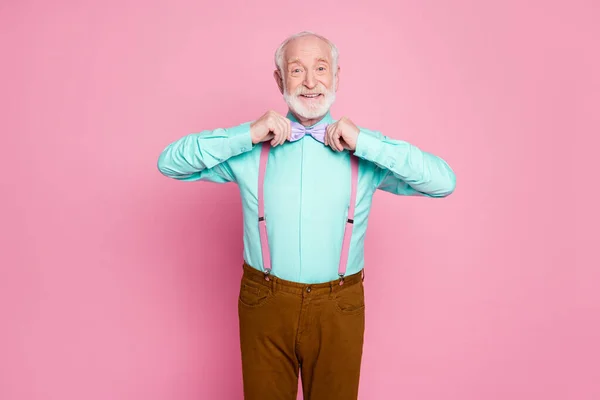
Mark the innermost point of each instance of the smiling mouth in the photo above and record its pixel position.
(311, 96)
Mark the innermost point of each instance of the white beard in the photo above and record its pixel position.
(318, 109)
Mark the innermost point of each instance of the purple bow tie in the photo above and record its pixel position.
(299, 130)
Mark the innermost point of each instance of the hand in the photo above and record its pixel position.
(271, 126)
(341, 135)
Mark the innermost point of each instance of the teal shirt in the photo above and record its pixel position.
(307, 191)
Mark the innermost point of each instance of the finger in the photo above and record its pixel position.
(336, 140)
(276, 129)
(289, 129)
(331, 139)
(341, 140)
(272, 133)
(282, 131)
(344, 144)
(330, 136)
(327, 133)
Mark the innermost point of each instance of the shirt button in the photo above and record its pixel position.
(243, 149)
(308, 289)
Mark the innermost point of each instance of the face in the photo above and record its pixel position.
(309, 82)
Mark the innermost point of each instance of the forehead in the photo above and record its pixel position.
(307, 49)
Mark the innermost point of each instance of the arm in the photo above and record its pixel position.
(404, 169)
(204, 155)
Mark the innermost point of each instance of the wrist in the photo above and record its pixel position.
(253, 134)
(356, 139)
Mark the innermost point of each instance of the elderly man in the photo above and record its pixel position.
(306, 183)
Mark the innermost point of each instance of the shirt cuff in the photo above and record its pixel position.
(240, 139)
(368, 146)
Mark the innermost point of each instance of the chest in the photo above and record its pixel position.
(301, 174)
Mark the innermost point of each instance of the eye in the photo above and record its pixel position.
(321, 68)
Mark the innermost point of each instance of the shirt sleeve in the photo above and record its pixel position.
(204, 155)
(404, 169)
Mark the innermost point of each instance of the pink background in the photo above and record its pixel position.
(117, 283)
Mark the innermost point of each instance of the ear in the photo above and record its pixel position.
(278, 79)
(337, 79)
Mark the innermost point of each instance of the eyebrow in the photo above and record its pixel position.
(297, 60)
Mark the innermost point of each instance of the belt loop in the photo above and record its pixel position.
(331, 290)
(273, 285)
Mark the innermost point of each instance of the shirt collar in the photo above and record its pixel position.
(326, 119)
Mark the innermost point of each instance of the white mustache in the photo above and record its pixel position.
(320, 90)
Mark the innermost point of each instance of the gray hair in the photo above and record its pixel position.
(281, 49)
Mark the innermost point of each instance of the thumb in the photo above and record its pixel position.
(268, 137)
(344, 144)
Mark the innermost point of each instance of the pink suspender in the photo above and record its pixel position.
(350, 221)
(262, 224)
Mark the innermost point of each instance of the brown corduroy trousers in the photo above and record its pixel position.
(288, 327)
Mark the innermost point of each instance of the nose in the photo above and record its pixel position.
(309, 80)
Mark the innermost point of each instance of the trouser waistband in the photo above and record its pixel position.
(275, 283)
